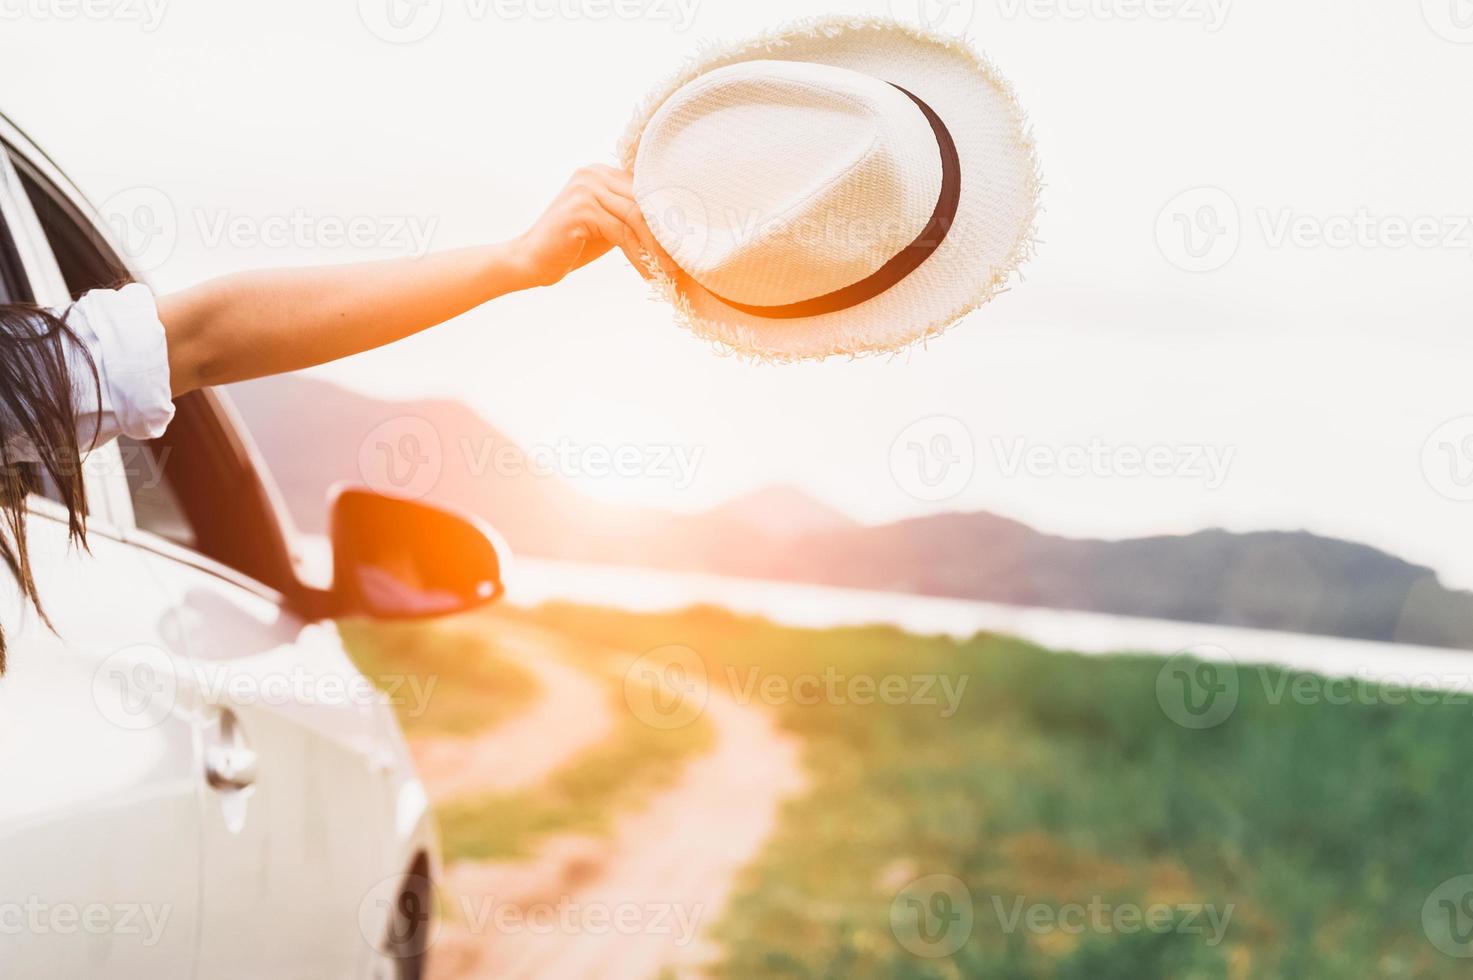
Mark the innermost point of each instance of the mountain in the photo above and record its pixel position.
(314, 434)
(783, 512)
(1291, 581)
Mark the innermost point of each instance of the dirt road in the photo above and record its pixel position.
(640, 901)
(570, 714)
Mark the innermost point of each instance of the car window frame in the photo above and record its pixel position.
(17, 288)
(106, 478)
(43, 284)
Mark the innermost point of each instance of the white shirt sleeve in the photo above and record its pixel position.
(121, 331)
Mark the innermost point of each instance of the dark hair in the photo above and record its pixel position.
(38, 410)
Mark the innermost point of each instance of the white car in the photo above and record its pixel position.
(194, 778)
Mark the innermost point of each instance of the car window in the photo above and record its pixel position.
(197, 487)
(156, 506)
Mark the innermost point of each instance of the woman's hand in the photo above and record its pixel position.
(594, 213)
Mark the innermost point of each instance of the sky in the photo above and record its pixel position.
(1250, 306)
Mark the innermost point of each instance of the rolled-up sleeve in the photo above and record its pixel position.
(122, 332)
(119, 332)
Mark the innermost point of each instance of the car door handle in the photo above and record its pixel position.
(230, 762)
(230, 767)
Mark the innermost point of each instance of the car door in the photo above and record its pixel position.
(100, 827)
(293, 820)
(292, 796)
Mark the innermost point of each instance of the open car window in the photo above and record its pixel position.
(197, 487)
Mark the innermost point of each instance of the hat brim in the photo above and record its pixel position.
(993, 233)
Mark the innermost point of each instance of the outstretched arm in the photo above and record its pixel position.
(245, 326)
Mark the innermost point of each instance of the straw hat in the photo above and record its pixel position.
(839, 186)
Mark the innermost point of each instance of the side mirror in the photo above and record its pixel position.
(401, 559)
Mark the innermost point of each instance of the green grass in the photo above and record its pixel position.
(445, 677)
(1060, 780)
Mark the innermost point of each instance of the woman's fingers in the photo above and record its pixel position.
(614, 231)
(616, 191)
(629, 216)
